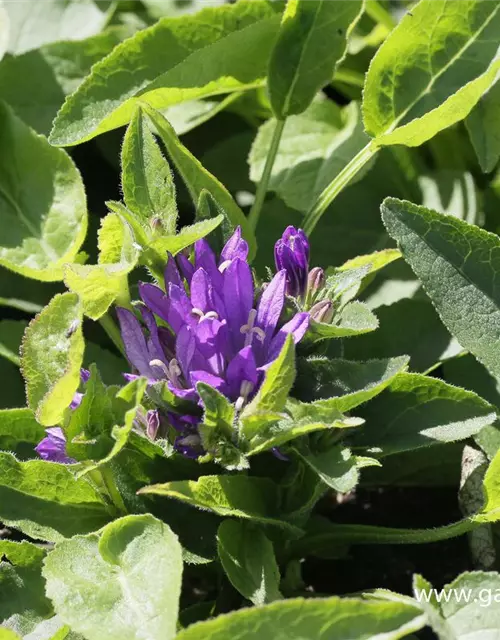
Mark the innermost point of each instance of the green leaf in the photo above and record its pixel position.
(35, 24)
(19, 432)
(422, 80)
(46, 502)
(52, 355)
(342, 384)
(300, 618)
(98, 286)
(337, 467)
(311, 41)
(58, 69)
(354, 319)
(452, 618)
(483, 125)
(185, 238)
(374, 261)
(129, 577)
(173, 61)
(314, 147)
(197, 178)
(147, 181)
(247, 556)
(23, 603)
(278, 380)
(419, 411)
(457, 264)
(11, 333)
(42, 201)
(490, 511)
(237, 496)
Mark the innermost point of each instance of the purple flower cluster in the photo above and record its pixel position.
(218, 333)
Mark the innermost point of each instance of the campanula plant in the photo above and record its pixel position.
(250, 320)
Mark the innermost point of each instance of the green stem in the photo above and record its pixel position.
(336, 186)
(377, 13)
(266, 175)
(366, 534)
(113, 332)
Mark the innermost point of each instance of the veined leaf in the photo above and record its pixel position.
(247, 556)
(237, 496)
(35, 24)
(197, 178)
(19, 431)
(341, 385)
(483, 126)
(173, 61)
(422, 80)
(419, 411)
(52, 355)
(311, 41)
(98, 286)
(308, 618)
(35, 83)
(46, 502)
(129, 577)
(147, 181)
(457, 263)
(314, 147)
(354, 319)
(42, 203)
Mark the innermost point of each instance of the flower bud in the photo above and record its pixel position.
(291, 253)
(315, 280)
(153, 423)
(322, 311)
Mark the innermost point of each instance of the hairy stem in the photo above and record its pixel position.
(113, 332)
(266, 175)
(337, 184)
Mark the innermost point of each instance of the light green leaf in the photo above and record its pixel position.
(247, 556)
(186, 116)
(457, 263)
(238, 496)
(129, 578)
(171, 62)
(422, 80)
(33, 24)
(278, 380)
(311, 41)
(98, 286)
(197, 178)
(19, 432)
(419, 411)
(491, 488)
(185, 238)
(374, 261)
(23, 603)
(52, 354)
(341, 385)
(46, 502)
(354, 319)
(313, 149)
(11, 333)
(483, 125)
(474, 618)
(36, 82)
(333, 618)
(147, 181)
(337, 467)
(42, 202)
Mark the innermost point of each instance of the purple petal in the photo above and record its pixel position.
(155, 299)
(208, 378)
(238, 299)
(185, 394)
(183, 423)
(211, 344)
(205, 259)
(185, 266)
(84, 375)
(297, 326)
(53, 446)
(242, 368)
(134, 342)
(271, 306)
(179, 313)
(153, 423)
(201, 291)
(235, 247)
(154, 345)
(185, 349)
(172, 274)
(77, 400)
